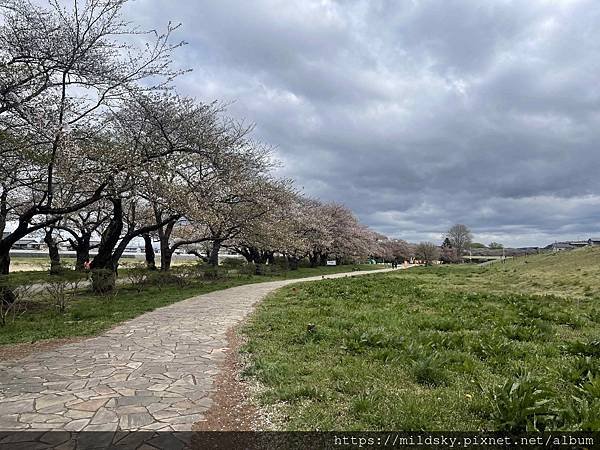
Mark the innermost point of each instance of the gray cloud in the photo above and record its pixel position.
(415, 114)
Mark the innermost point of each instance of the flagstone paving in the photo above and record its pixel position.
(154, 372)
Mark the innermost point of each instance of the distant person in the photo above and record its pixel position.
(87, 265)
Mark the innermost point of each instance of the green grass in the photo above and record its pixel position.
(42, 275)
(574, 273)
(514, 346)
(89, 314)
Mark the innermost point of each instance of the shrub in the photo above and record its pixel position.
(304, 263)
(282, 263)
(213, 273)
(160, 279)
(269, 269)
(137, 276)
(248, 269)
(12, 298)
(186, 271)
(60, 291)
(233, 263)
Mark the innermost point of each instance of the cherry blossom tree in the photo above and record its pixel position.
(81, 226)
(60, 71)
(427, 252)
(394, 249)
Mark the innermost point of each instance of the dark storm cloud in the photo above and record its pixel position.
(416, 114)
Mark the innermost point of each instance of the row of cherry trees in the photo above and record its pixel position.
(94, 141)
(301, 228)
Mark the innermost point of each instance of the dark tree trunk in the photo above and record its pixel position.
(246, 254)
(166, 253)
(4, 260)
(166, 257)
(7, 297)
(213, 258)
(7, 242)
(254, 256)
(270, 257)
(103, 266)
(112, 246)
(314, 259)
(323, 260)
(164, 236)
(53, 252)
(149, 252)
(261, 257)
(82, 252)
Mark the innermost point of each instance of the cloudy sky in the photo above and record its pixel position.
(417, 114)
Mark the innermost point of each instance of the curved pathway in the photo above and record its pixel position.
(154, 372)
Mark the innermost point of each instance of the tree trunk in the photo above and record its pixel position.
(7, 297)
(213, 259)
(104, 280)
(314, 259)
(55, 267)
(248, 257)
(149, 252)
(164, 237)
(271, 258)
(323, 260)
(82, 252)
(254, 255)
(245, 252)
(103, 266)
(112, 246)
(4, 260)
(261, 257)
(166, 257)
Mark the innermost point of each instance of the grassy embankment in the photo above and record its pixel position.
(88, 314)
(510, 346)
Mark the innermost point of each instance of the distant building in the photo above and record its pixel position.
(94, 243)
(570, 245)
(578, 244)
(559, 246)
(26, 243)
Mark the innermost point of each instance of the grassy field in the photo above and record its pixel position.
(88, 314)
(513, 346)
(20, 263)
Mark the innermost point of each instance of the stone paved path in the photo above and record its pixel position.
(154, 372)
